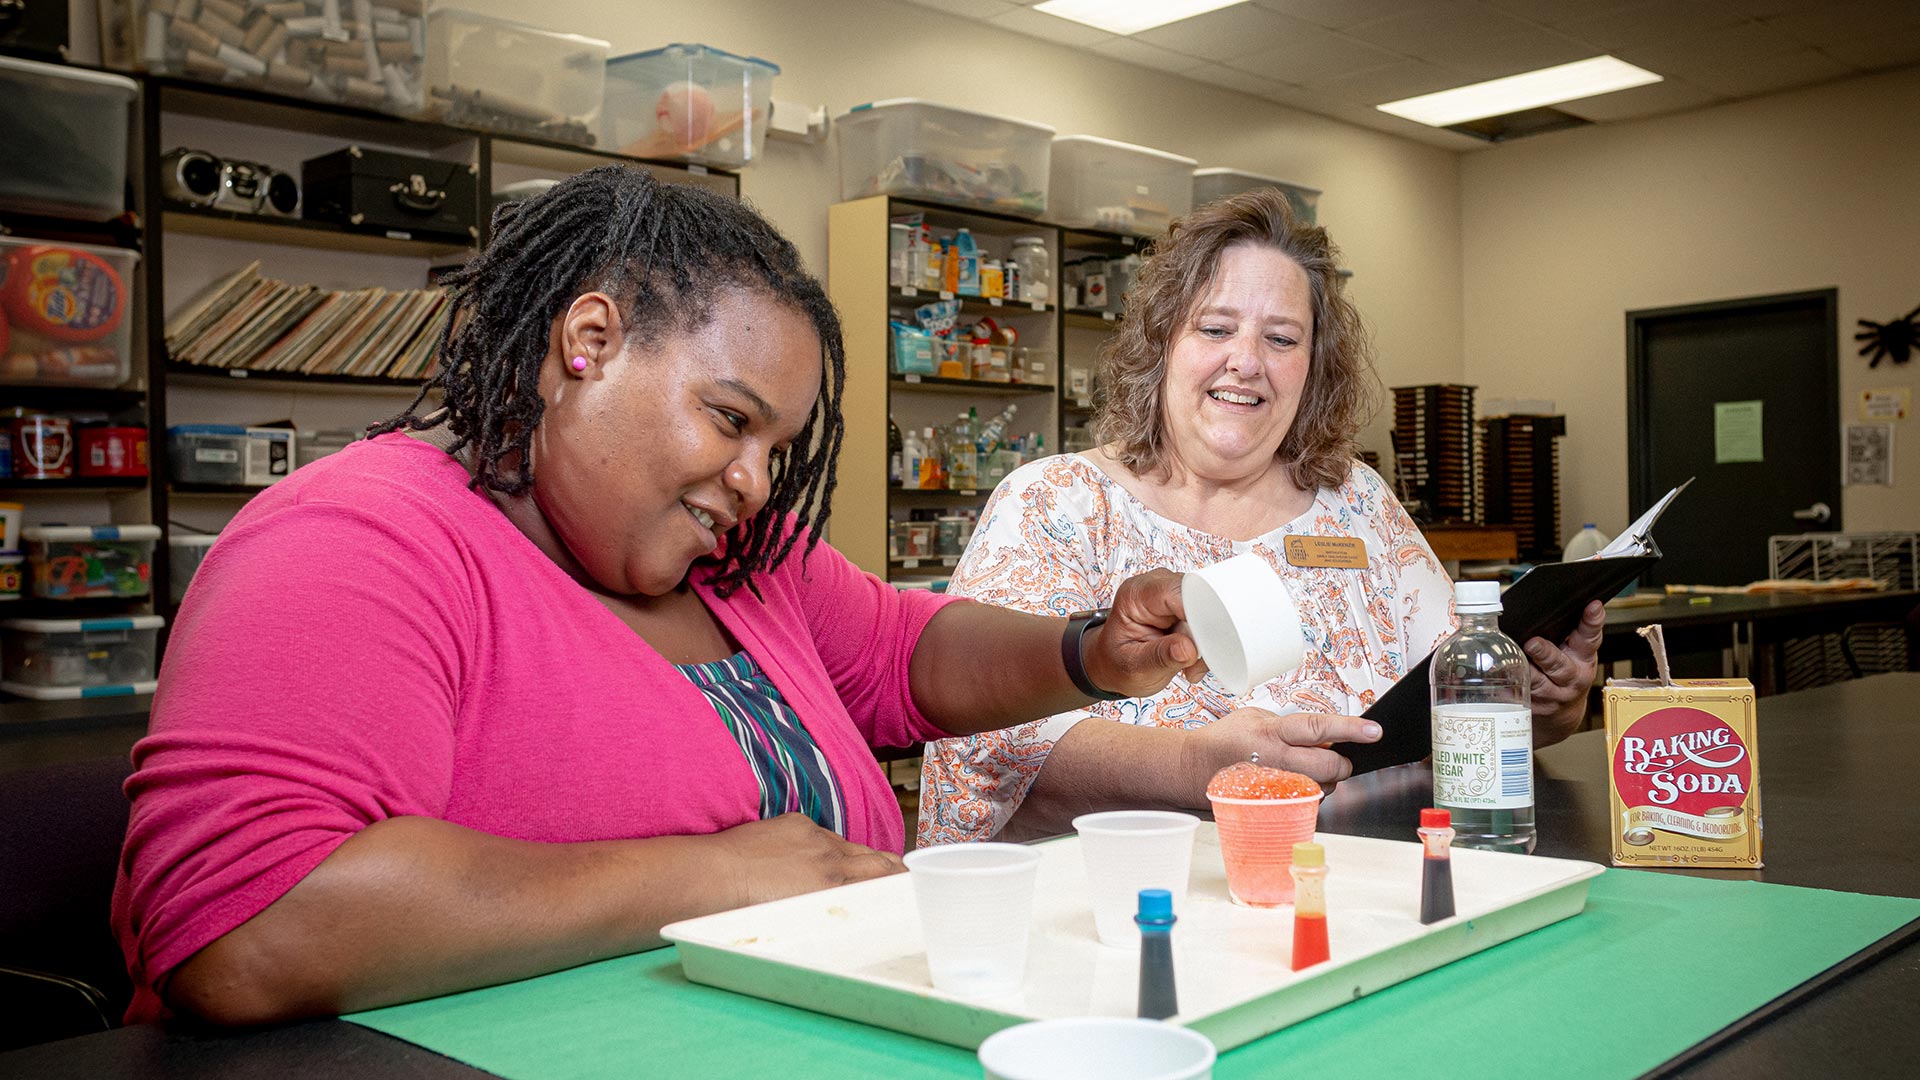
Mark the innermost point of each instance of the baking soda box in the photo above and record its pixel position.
(1683, 772)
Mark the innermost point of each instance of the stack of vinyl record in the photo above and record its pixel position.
(1520, 476)
(1434, 444)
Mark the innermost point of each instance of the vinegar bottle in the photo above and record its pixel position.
(1483, 727)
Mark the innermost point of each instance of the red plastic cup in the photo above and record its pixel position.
(1256, 840)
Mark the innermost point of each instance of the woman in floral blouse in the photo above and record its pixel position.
(1231, 396)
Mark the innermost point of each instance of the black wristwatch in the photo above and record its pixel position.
(1078, 624)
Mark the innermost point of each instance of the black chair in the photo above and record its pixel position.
(61, 972)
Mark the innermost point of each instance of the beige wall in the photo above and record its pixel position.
(1563, 234)
(1391, 203)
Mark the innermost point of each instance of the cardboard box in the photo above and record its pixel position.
(1683, 773)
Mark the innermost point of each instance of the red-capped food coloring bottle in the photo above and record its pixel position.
(1436, 866)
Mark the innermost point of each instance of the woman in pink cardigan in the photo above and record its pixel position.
(525, 677)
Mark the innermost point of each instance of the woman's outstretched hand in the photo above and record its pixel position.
(1144, 642)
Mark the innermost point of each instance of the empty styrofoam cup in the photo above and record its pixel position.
(1130, 850)
(1244, 621)
(976, 908)
(1097, 1048)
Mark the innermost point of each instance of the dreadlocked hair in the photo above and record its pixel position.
(665, 253)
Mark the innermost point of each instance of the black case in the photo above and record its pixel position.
(374, 190)
(36, 28)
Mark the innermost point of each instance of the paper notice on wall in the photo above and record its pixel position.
(1886, 403)
(1870, 454)
(1736, 432)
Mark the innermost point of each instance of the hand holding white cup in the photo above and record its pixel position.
(1243, 618)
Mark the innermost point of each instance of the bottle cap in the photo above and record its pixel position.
(1476, 597)
(1156, 905)
(1309, 855)
(1436, 818)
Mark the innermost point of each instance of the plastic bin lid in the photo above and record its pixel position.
(206, 429)
(77, 626)
(695, 47)
(1220, 170)
(895, 103)
(109, 251)
(463, 15)
(1130, 148)
(191, 540)
(60, 71)
(56, 534)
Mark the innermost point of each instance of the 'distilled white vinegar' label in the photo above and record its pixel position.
(1483, 756)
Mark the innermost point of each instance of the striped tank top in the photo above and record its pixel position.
(790, 767)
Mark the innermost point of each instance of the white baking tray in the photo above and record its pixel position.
(856, 951)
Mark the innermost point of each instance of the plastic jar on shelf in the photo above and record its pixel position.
(1033, 270)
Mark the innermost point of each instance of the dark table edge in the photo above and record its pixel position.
(1792, 999)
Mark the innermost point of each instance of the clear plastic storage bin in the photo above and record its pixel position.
(689, 102)
(317, 444)
(229, 455)
(1212, 184)
(185, 553)
(513, 78)
(81, 562)
(1102, 184)
(66, 312)
(66, 138)
(922, 150)
(341, 51)
(72, 658)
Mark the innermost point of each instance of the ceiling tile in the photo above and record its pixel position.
(1431, 30)
(1335, 14)
(1149, 56)
(1492, 58)
(1552, 12)
(1404, 79)
(969, 9)
(1223, 34)
(1312, 53)
(1877, 52)
(1654, 21)
(1779, 73)
(1672, 95)
(1239, 80)
(1050, 27)
(1727, 46)
(1763, 9)
(1826, 24)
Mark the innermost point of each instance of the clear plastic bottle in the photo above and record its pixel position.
(1585, 544)
(963, 458)
(1483, 727)
(989, 438)
(896, 454)
(926, 452)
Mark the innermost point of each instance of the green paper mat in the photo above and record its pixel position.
(1655, 964)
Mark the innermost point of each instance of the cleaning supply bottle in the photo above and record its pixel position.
(1585, 544)
(989, 438)
(963, 459)
(967, 274)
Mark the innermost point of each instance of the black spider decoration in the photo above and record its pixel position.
(1896, 339)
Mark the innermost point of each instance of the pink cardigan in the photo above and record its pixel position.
(370, 639)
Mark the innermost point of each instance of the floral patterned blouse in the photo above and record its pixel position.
(1059, 535)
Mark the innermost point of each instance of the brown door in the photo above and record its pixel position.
(1742, 395)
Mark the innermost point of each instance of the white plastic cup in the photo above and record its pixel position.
(1130, 850)
(1097, 1048)
(976, 909)
(1243, 619)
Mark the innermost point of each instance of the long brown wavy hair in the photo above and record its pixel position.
(1342, 390)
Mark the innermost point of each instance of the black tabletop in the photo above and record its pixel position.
(1837, 768)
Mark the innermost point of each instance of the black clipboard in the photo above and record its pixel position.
(1545, 603)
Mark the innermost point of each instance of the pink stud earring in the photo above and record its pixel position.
(579, 363)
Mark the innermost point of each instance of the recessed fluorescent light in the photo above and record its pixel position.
(1498, 97)
(1130, 16)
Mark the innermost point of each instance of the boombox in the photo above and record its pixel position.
(198, 178)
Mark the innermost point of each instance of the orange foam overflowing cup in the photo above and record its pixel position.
(1261, 813)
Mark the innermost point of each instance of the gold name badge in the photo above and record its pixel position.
(1339, 552)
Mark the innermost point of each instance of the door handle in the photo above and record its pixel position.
(1819, 512)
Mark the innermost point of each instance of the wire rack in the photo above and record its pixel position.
(1891, 558)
